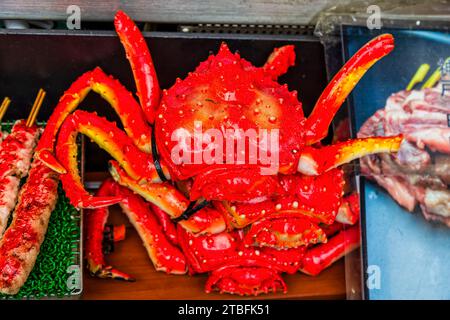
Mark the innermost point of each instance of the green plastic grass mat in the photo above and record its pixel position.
(57, 272)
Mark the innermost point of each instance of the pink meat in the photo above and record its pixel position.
(437, 139)
(415, 175)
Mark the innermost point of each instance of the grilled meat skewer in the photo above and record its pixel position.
(22, 241)
(16, 152)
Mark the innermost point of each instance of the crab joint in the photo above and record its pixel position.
(349, 210)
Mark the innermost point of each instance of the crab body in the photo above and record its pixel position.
(245, 210)
(224, 93)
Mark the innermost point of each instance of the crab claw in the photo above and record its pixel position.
(279, 61)
(315, 161)
(137, 163)
(245, 281)
(141, 62)
(164, 195)
(284, 231)
(324, 255)
(342, 84)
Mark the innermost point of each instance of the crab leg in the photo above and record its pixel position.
(136, 163)
(169, 228)
(315, 161)
(129, 111)
(332, 229)
(324, 255)
(164, 255)
(95, 225)
(112, 91)
(141, 62)
(342, 84)
(164, 195)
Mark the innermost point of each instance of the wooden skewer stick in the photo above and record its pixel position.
(35, 109)
(38, 107)
(4, 107)
(34, 106)
(418, 76)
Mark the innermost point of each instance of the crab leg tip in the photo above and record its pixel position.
(315, 161)
(109, 272)
(279, 61)
(50, 161)
(141, 62)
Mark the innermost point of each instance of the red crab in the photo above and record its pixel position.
(243, 219)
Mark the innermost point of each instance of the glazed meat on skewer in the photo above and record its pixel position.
(16, 151)
(21, 242)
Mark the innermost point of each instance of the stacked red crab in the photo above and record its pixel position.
(256, 226)
(262, 218)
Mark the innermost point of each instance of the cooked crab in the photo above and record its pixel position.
(241, 217)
